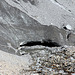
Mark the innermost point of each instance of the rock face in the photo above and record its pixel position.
(23, 21)
(34, 30)
(47, 12)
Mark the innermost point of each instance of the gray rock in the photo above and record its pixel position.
(47, 12)
(17, 26)
(71, 38)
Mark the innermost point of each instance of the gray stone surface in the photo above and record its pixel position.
(47, 12)
(48, 22)
(17, 25)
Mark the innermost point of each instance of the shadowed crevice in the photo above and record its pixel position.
(47, 43)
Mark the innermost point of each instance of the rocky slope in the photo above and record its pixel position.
(18, 27)
(30, 27)
(47, 12)
(54, 61)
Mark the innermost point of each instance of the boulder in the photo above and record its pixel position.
(16, 26)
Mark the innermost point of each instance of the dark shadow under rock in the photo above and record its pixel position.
(47, 43)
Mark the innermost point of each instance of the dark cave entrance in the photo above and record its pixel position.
(47, 43)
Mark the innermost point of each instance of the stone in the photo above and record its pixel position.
(18, 27)
(49, 12)
(54, 62)
(69, 27)
(34, 39)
